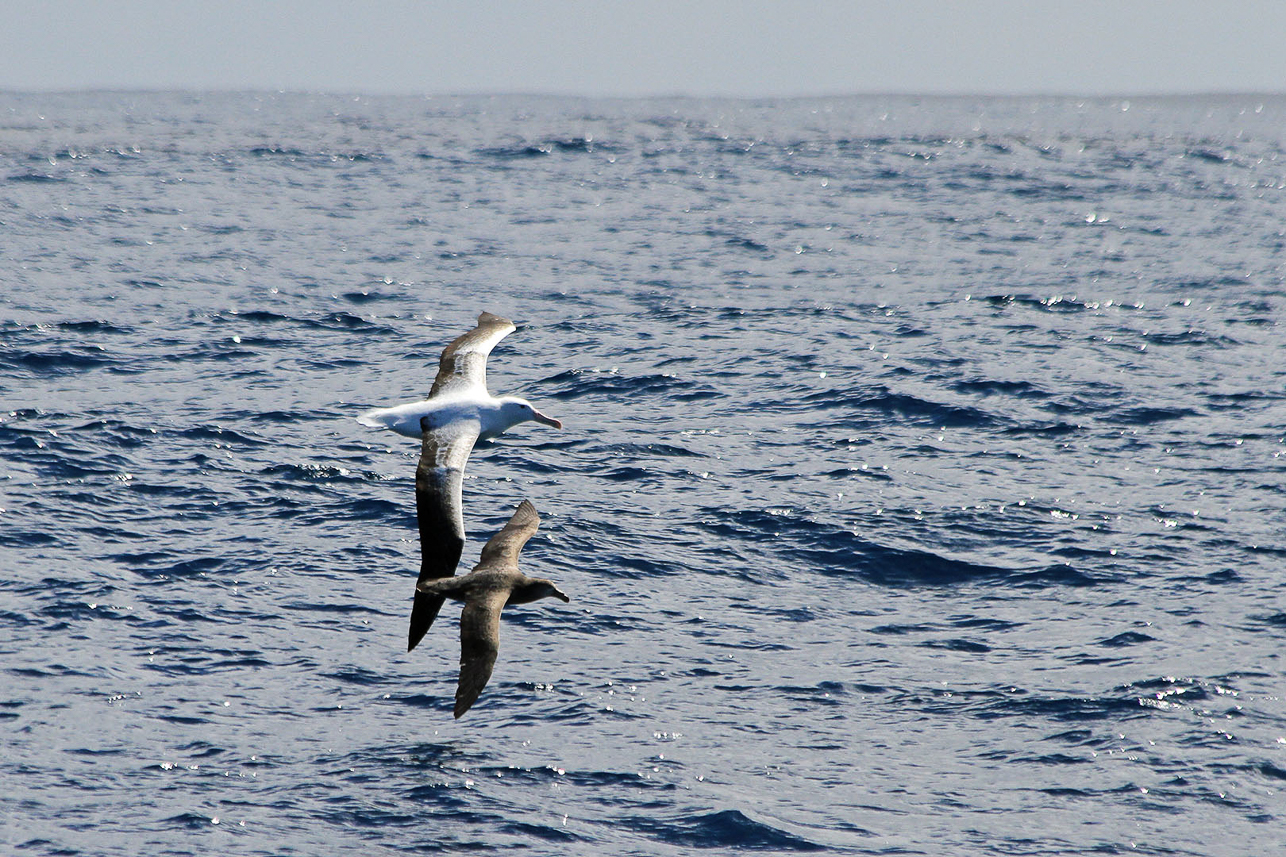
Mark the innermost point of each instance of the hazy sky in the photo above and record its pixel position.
(696, 47)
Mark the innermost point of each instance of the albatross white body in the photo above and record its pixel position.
(494, 414)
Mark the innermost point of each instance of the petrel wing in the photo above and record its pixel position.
(504, 547)
(479, 643)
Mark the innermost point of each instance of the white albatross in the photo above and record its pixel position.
(458, 412)
(460, 390)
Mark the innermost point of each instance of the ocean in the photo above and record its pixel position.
(921, 486)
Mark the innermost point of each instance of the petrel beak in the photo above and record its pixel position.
(558, 593)
(549, 421)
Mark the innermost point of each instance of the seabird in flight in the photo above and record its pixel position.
(494, 582)
(458, 412)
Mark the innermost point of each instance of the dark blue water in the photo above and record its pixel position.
(921, 490)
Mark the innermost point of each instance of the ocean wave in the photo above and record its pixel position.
(578, 383)
(544, 148)
(54, 362)
(728, 828)
(835, 551)
(35, 178)
(901, 406)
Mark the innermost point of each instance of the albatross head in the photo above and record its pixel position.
(515, 410)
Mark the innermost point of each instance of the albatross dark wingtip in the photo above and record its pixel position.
(423, 611)
(489, 318)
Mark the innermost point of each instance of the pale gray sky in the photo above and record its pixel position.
(648, 47)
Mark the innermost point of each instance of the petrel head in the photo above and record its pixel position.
(535, 588)
(555, 592)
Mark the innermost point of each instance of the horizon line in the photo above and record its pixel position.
(653, 96)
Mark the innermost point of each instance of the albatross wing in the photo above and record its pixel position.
(464, 362)
(439, 483)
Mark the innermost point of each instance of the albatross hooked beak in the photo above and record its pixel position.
(549, 421)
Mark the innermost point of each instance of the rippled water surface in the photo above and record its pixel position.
(920, 492)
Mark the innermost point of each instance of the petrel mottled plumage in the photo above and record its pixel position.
(494, 582)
